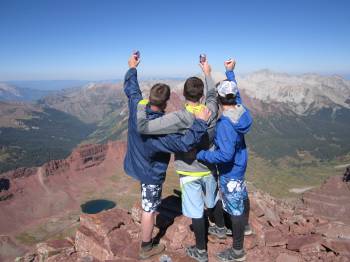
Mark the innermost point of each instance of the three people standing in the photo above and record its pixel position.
(191, 133)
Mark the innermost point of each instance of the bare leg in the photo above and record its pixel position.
(147, 224)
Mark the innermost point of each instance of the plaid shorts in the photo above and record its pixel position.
(151, 196)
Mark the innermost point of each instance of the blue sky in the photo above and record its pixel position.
(85, 39)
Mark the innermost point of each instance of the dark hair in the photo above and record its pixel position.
(159, 95)
(193, 89)
(228, 100)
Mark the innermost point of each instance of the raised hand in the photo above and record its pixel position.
(133, 61)
(205, 67)
(203, 114)
(230, 64)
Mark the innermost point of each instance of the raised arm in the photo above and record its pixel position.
(131, 84)
(225, 138)
(168, 124)
(230, 66)
(210, 91)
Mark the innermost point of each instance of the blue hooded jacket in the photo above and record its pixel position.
(230, 154)
(147, 157)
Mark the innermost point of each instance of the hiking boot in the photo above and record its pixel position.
(231, 254)
(217, 231)
(195, 253)
(147, 252)
(247, 230)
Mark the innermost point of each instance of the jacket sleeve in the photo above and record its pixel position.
(131, 87)
(170, 123)
(180, 143)
(231, 76)
(226, 141)
(211, 101)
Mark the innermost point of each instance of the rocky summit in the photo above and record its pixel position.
(283, 232)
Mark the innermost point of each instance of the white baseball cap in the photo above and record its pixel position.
(227, 87)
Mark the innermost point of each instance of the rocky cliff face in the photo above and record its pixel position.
(36, 193)
(282, 233)
(331, 200)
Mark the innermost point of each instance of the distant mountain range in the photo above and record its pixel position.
(303, 94)
(48, 85)
(294, 115)
(13, 93)
(31, 135)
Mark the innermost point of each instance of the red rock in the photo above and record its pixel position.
(340, 246)
(270, 213)
(136, 212)
(104, 222)
(312, 248)
(118, 240)
(92, 244)
(54, 247)
(284, 257)
(294, 243)
(255, 208)
(259, 226)
(301, 230)
(334, 230)
(250, 242)
(274, 237)
(179, 235)
(331, 200)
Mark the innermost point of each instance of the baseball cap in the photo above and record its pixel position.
(227, 87)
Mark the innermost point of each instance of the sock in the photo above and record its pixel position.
(146, 245)
(199, 227)
(238, 231)
(246, 211)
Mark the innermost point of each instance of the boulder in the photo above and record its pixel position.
(295, 243)
(284, 257)
(274, 237)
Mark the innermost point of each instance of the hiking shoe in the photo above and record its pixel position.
(195, 253)
(155, 249)
(231, 254)
(247, 230)
(228, 232)
(217, 231)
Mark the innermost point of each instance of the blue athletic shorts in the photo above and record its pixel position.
(233, 192)
(151, 196)
(197, 192)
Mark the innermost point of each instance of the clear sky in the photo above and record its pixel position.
(92, 39)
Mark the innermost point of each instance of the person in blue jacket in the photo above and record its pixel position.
(147, 157)
(230, 156)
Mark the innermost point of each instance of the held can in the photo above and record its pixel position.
(202, 58)
(136, 54)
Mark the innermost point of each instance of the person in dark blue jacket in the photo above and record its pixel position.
(147, 157)
(230, 156)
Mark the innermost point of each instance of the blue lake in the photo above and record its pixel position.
(96, 206)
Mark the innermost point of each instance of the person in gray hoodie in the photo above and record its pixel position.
(197, 179)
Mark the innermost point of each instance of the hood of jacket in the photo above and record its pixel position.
(240, 118)
(153, 114)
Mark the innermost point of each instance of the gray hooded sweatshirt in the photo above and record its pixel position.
(179, 122)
